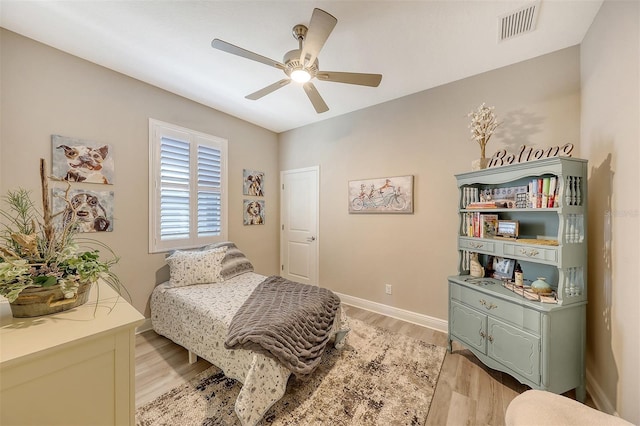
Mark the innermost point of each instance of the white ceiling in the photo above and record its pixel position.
(415, 45)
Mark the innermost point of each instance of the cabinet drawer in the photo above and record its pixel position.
(499, 308)
(477, 245)
(535, 253)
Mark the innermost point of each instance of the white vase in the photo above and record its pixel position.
(479, 164)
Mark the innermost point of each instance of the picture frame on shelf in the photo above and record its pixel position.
(488, 225)
(503, 268)
(508, 229)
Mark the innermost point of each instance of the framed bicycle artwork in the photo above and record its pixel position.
(381, 195)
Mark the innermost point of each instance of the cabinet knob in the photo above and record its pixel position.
(490, 338)
(482, 334)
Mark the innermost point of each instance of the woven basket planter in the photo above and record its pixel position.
(38, 301)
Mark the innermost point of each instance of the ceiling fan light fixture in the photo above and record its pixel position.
(301, 65)
(300, 75)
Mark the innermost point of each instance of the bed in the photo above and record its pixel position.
(198, 317)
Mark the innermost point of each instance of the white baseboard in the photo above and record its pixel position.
(598, 396)
(145, 326)
(401, 314)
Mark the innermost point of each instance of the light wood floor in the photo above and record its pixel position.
(468, 393)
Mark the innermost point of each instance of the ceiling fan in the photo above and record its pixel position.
(301, 65)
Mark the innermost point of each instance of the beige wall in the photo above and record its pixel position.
(45, 92)
(424, 135)
(610, 136)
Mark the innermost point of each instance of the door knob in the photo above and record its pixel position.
(311, 239)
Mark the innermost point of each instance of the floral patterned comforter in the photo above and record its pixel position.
(197, 317)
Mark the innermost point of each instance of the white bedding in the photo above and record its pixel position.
(197, 317)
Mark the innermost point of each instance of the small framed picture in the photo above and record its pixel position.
(253, 212)
(503, 268)
(252, 183)
(508, 229)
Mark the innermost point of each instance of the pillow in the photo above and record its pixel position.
(234, 262)
(195, 267)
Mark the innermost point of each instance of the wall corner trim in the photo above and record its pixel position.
(598, 396)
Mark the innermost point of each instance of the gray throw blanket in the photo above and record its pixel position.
(286, 320)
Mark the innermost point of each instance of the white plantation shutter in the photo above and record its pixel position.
(174, 189)
(209, 185)
(187, 188)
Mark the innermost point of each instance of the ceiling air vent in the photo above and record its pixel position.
(519, 22)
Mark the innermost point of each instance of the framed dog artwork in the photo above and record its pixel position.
(77, 160)
(93, 210)
(253, 212)
(253, 183)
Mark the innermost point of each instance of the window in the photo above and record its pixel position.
(187, 188)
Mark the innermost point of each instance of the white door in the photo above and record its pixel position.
(299, 225)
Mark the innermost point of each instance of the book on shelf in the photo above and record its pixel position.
(481, 225)
(482, 205)
(545, 192)
(476, 224)
(488, 225)
(533, 190)
(552, 192)
(539, 193)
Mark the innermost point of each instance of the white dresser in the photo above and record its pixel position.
(72, 368)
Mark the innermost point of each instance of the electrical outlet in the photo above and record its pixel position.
(387, 288)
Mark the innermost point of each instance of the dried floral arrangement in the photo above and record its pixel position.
(483, 124)
(36, 253)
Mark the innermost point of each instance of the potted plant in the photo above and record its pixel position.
(45, 268)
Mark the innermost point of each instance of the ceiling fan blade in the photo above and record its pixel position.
(239, 51)
(315, 98)
(320, 26)
(372, 80)
(271, 88)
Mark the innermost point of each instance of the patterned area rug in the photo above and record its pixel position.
(378, 378)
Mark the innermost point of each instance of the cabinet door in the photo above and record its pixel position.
(468, 325)
(515, 349)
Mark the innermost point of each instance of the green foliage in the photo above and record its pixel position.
(31, 258)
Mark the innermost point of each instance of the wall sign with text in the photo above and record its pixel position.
(524, 154)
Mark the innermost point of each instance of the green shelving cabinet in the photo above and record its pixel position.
(540, 343)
